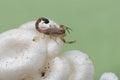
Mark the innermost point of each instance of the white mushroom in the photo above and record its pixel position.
(19, 55)
(108, 76)
(82, 66)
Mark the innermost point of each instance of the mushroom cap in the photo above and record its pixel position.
(18, 53)
(108, 76)
(82, 66)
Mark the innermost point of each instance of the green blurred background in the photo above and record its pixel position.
(95, 25)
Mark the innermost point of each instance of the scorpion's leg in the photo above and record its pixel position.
(68, 42)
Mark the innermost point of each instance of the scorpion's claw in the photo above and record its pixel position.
(66, 28)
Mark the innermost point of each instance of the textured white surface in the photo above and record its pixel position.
(83, 68)
(18, 53)
(108, 76)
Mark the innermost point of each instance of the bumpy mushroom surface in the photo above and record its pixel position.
(26, 54)
(108, 76)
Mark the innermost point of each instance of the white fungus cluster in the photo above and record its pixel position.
(26, 54)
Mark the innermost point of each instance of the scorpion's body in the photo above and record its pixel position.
(53, 30)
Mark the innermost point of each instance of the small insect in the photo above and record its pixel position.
(53, 30)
